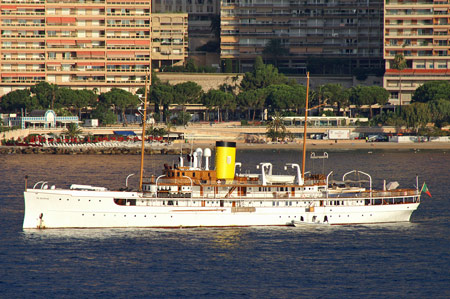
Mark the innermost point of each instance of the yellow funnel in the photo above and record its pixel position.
(225, 159)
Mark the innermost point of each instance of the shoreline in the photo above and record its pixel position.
(174, 149)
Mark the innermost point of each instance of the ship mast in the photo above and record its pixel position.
(148, 78)
(304, 131)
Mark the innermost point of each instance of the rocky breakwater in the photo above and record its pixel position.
(23, 150)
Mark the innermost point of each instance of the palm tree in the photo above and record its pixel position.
(399, 64)
(322, 94)
(276, 128)
(73, 131)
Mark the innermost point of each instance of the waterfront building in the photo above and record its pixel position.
(86, 43)
(420, 31)
(323, 36)
(40, 119)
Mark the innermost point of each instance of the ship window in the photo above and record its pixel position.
(193, 174)
(178, 174)
(183, 174)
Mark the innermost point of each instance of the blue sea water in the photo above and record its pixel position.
(407, 260)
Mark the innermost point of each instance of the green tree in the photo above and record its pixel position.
(417, 115)
(368, 95)
(253, 99)
(188, 92)
(68, 99)
(120, 99)
(163, 95)
(182, 118)
(17, 100)
(321, 95)
(261, 77)
(45, 94)
(440, 111)
(338, 96)
(227, 65)
(215, 99)
(215, 26)
(275, 49)
(285, 97)
(432, 90)
(104, 114)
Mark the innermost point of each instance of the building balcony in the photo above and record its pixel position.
(4, 59)
(74, 1)
(119, 82)
(16, 70)
(128, 37)
(15, 13)
(128, 14)
(21, 36)
(22, 81)
(128, 59)
(23, 1)
(22, 25)
(23, 48)
(128, 25)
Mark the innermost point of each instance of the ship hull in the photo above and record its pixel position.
(90, 209)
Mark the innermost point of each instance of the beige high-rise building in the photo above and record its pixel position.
(420, 30)
(323, 36)
(86, 43)
(201, 14)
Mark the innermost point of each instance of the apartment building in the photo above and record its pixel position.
(86, 43)
(200, 15)
(331, 36)
(420, 30)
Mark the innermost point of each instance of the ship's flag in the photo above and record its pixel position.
(425, 189)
